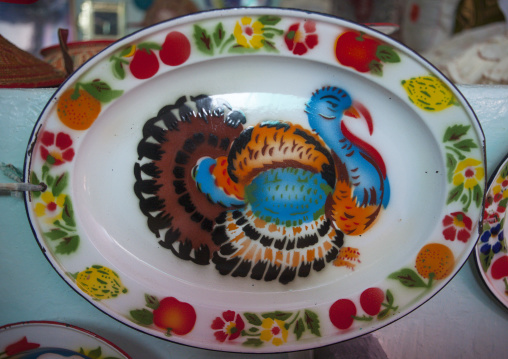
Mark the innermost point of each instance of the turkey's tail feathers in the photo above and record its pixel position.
(266, 251)
(173, 142)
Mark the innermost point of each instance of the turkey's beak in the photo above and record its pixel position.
(358, 110)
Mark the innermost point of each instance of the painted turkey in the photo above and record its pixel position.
(271, 201)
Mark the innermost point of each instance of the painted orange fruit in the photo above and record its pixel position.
(436, 259)
(78, 112)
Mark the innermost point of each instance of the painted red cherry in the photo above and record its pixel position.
(499, 268)
(174, 316)
(371, 300)
(175, 49)
(144, 64)
(342, 313)
(356, 50)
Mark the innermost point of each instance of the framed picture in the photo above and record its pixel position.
(101, 20)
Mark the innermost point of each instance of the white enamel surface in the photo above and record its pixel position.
(114, 231)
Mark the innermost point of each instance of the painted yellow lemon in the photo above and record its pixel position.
(100, 282)
(429, 93)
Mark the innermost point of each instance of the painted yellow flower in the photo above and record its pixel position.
(248, 33)
(274, 331)
(469, 172)
(500, 187)
(50, 207)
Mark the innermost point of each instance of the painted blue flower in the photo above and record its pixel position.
(492, 239)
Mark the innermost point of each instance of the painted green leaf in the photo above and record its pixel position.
(50, 180)
(118, 70)
(504, 172)
(502, 203)
(95, 353)
(408, 278)
(283, 316)
(389, 297)
(239, 49)
(151, 301)
(50, 160)
(60, 184)
(269, 20)
(451, 164)
(148, 46)
(101, 91)
(455, 132)
(386, 54)
(68, 212)
(55, 234)
(253, 329)
(465, 145)
(203, 40)
(252, 318)
(383, 314)
(45, 171)
(269, 46)
(477, 195)
(35, 180)
(455, 193)
(376, 68)
(253, 342)
(299, 328)
(68, 245)
(312, 321)
(142, 316)
(219, 34)
(485, 260)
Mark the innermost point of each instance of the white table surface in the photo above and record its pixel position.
(461, 321)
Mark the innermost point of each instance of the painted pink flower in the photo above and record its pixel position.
(299, 39)
(56, 149)
(229, 326)
(457, 226)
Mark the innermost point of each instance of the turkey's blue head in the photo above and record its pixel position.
(326, 107)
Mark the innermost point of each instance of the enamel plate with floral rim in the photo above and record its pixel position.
(43, 339)
(257, 180)
(491, 251)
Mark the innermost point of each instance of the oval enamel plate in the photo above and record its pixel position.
(256, 180)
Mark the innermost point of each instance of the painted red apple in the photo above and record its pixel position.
(174, 316)
(371, 300)
(342, 313)
(499, 268)
(175, 49)
(144, 63)
(357, 50)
